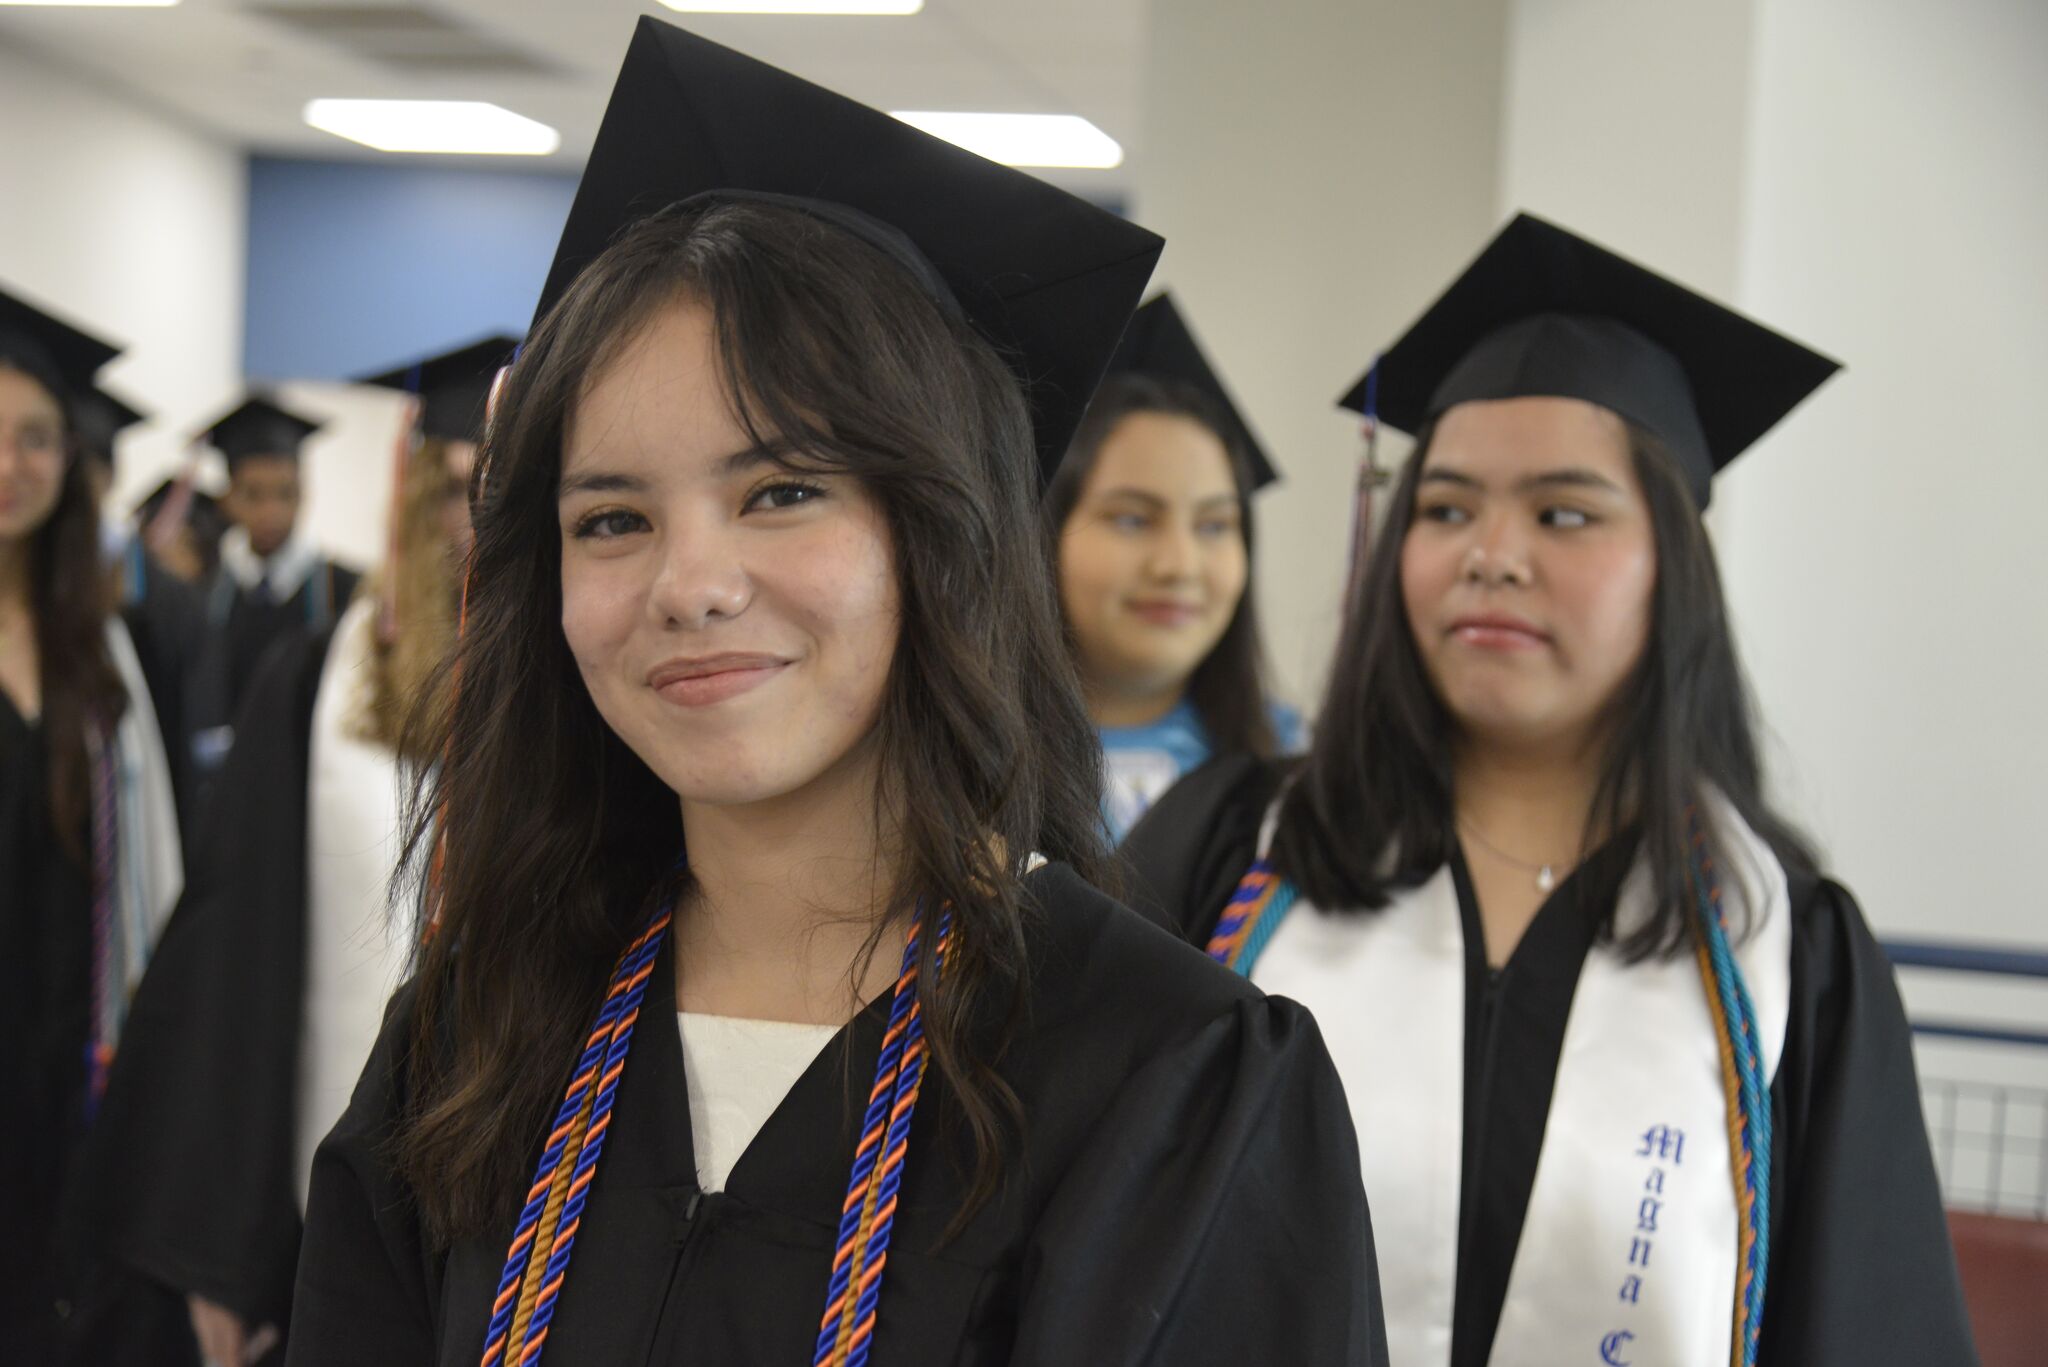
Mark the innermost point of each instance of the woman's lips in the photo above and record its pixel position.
(1160, 613)
(699, 683)
(1506, 634)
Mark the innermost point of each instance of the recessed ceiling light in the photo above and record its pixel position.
(95, 4)
(458, 126)
(1022, 139)
(795, 6)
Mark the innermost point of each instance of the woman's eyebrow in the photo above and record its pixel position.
(728, 466)
(1145, 497)
(599, 482)
(1576, 477)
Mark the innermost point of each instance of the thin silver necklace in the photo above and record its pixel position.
(1546, 874)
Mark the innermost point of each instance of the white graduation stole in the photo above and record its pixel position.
(1628, 1251)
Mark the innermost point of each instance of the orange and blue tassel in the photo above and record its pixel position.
(575, 1138)
(868, 1217)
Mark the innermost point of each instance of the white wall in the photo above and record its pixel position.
(131, 224)
(1887, 562)
(348, 465)
(1318, 168)
(1626, 121)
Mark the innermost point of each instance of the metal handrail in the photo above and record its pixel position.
(1997, 960)
(2010, 962)
(1994, 1034)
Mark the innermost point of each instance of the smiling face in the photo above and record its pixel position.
(1152, 557)
(1528, 569)
(32, 454)
(734, 620)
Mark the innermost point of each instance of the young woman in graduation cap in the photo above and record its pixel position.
(1151, 515)
(268, 990)
(89, 856)
(1529, 849)
(766, 1015)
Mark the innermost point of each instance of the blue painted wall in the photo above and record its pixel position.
(354, 266)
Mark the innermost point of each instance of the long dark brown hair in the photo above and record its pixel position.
(1228, 688)
(420, 584)
(557, 836)
(70, 594)
(1370, 808)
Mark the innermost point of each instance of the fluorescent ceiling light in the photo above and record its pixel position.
(468, 126)
(95, 4)
(1022, 139)
(795, 6)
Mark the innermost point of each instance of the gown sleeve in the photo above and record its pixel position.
(1215, 1216)
(1862, 1270)
(365, 1278)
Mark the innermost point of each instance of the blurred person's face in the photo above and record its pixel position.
(32, 454)
(1152, 559)
(263, 499)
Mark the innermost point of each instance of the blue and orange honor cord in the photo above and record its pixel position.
(1263, 899)
(537, 1263)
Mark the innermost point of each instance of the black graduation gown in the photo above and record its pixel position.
(45, 1019)
(1861, 1267)
(192, 1160)
(240, 631)
(166, 619)
(1186, 1191)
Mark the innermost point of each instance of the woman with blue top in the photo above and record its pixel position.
(1151, 512)
(1630, 1074)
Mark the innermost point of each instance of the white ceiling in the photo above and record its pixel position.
(242, 70)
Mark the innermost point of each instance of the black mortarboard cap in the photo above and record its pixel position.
(97, 418)
(1542, 311)
(258, 427)
(1048, 278)
(1159, 343)
(452, 386)
(49, 348)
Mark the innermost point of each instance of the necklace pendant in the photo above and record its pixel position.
(1546, 879)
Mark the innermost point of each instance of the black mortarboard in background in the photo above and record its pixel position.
(1048, 278)
(52, 350)
(452, 386)
(258, 427)
(1545, 312)
(97, 418)
(1160, 343)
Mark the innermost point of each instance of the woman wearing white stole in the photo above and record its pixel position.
(1528, 849)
